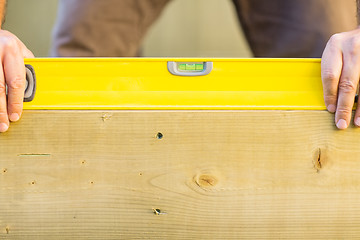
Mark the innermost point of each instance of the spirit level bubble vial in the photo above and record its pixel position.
(190, 68)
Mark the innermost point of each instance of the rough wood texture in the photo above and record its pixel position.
(213, 175)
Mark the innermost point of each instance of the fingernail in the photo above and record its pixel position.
(14, 117)
(331, 108)
(357, 121)
(341, 124)
(3, 127)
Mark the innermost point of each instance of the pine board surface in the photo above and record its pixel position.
(212, 175)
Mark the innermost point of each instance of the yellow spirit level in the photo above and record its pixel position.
(158, 83)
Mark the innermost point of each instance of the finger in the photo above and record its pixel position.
(4, 119)
(14, 71)
(357, 111)
(331, 66)
(26, 52)
(347, 89)
(357, 116)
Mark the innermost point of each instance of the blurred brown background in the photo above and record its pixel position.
(187, 28)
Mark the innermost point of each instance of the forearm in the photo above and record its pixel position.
(3, 8)
(358, 11)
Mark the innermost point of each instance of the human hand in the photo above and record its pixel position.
(340, 73)
(12, 75)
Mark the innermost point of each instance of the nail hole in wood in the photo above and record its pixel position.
(157, 211)
(159, 135)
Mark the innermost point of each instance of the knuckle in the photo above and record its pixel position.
(335, 39)
(2, 90)
(16, 105)
(16, 83)
(5, 32)
(329, 75)
(354, 42)
(2, 87)
(343, 111)
(330, 98)
(8, 43)
(3, 114)
(347, 86)
(352, 46)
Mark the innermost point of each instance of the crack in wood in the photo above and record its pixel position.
(318, 161)
(319, 158)
(34, 155)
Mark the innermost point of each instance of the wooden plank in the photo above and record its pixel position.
(212, 175)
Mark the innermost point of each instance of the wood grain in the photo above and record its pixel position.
(212, 175)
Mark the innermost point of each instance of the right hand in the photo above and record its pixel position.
(12, 75)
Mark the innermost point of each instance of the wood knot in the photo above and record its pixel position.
(319, 159)
(206, 181)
